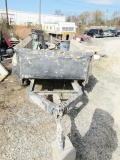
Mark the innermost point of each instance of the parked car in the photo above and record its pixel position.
(118, 33)
(81, 38)
(114, 31)
(95, 33)
(108, 33)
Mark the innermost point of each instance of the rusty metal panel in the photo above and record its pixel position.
(41, 64)
(22, 32)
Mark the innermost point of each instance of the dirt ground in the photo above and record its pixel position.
(27, 132)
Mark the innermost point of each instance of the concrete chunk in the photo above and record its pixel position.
(3, 72)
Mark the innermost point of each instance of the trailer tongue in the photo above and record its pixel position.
(57, 69)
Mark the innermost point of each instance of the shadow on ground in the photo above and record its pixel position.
(91, 84)
(99, 142)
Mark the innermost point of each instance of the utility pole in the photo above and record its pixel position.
(39, 12)
(106, 17)
(7, 13)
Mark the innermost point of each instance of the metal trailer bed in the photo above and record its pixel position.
(54, 66)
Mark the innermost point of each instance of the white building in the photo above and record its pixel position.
(54, 25)
(25, 18)
(60, 27)
(59, 30)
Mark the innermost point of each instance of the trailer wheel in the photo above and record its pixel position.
(24, 82)
(0, 58)
(94, 36)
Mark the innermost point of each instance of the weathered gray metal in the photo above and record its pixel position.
(55, 65)
(46, 64)
(50, 107)
(57, 110)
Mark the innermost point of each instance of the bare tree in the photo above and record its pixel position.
(98, 17)
(4, 27)
(72, 18)
(85, 18)
(58, 12)
(116, 18)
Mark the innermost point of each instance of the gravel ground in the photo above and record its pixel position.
(26, 132)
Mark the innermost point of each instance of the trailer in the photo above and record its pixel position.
(56, 80)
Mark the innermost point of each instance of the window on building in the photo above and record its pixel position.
(71, 28)
(50, 27)
(29, 24)
(67, 28)
(11, 21)
(63, 28)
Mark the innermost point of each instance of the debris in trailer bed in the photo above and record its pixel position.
(77, 46)
(54, 67)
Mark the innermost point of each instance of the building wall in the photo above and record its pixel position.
(23, 18)
(60, 27)
(51, 27)
(66, 27)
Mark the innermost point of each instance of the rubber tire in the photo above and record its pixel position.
(94, 36)
(24, 82)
